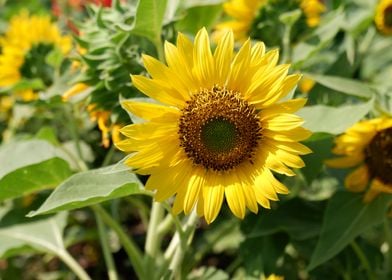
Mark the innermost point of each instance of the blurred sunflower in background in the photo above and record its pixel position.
(259, 19)
(366, 146)
(25, 48)
(217, 130)
(383, 17)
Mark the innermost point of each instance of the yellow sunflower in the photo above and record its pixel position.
(383, 16)
(24, 33)
(367, 146)
(243, 13)
(312, 10)
(217, 130)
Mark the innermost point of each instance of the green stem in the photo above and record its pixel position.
(130, 247)
(112, 273)
(364, 261)
(73, 129)
(286, 56)
(159, 46)
(109, 156)
(388, 237)
(152, 240)
(73, 265)
(165, 225)
(189, 228)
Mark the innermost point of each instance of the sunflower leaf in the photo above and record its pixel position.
(29, 166)
(91, 187)
(346, 217)
(42, 235)
(348, 86)
(149, 18)
(321, 118)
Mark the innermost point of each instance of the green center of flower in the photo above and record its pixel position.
(378, 156)
(36, 64)
(219, 135)
(388, 16)
(218, 129)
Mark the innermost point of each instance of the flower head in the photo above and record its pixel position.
(260, 18)
(367, 146)
(24, 47)
(217, 130)
(383, 16)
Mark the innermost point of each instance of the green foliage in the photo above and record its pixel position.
(42, 235)
(91, 187)
(339, 230)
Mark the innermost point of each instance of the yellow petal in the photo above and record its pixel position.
(357, 180)
(223, 55)
(149, 111)
(213, 194)
(235, 199)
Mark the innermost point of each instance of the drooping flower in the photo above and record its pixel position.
(217, 130)
(366, 146)
(383, 18)
(251, 17)
(24, 47)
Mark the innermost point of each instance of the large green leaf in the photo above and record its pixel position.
(29, 166)
(198, 17)
(149, 18)
(297, 217)
(91, 187)
(320, 118)
(346, 217)
(42, 235)
(348, 86)
(23, 153)
(321, 145)
(35, 177)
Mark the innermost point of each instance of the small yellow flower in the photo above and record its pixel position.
(306, 84)
(383, 16)
(243, 13)
(312, 10)
(218, 130)
(24, 33)
(274, 277)
(367, 146)
(105, 126)
(76, 89)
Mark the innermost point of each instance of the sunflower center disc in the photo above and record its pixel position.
(218, 129)
(379, 156)
(388, 16)
(219, 135)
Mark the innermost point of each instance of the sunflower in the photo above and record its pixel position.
(383, 16)
(24, 47)
(367, 146)
(245, 14)
(217, 129)
(312, 10)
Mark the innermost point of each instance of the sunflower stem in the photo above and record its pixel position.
(108, 257)
(362, 258)
(286, 55)
(152, 242)
(388, 237)
(185, 240)
(134, 254)
(73, 265)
